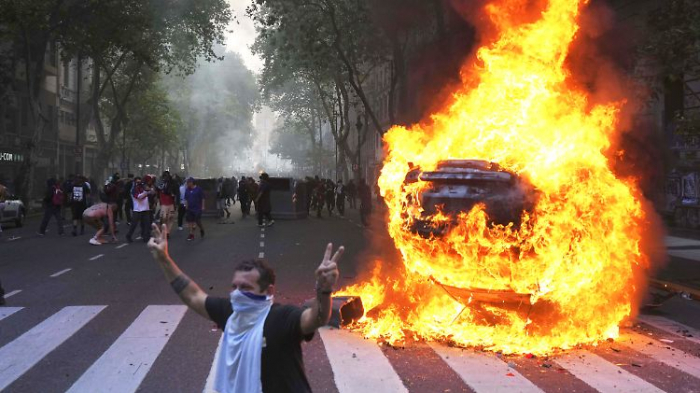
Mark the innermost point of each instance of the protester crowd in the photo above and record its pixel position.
(140, 201)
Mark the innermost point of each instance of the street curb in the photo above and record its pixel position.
(676, 288)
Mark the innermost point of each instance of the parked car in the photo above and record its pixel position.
(458, 185)
(14, 211)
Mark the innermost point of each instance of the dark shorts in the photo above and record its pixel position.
(193, 216)
(78, 209)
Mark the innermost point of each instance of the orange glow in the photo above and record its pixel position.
(576, 253)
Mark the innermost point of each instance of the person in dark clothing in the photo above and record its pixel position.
(261, 345)
(351, 192)
(243, 198)
(330, 197)
(53, 201)
(79, 196)
(126, 196)
(263, 205)
(365, 202)
(319, 196)
(340, 197)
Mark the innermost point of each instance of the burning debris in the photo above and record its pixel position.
(566, 269)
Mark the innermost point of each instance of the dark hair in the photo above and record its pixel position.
(267, 275)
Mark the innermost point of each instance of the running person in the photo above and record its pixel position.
(263, 204)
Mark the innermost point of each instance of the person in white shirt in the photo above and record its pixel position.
(142, 211)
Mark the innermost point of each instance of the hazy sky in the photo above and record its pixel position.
(243, 35)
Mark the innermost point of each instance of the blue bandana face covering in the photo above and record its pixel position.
(238, 369)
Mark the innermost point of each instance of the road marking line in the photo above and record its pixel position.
(673, 241)
(21, 354)
(209, 386)
(358, 364)
(97, 257)
(261, 255)
(670, 326)
(16, 291)
(7, 311)
(122, 246)
(61, 272)
(125, 364)
(262, 244)
(13, 238)
(603, 375)
(484, 372)
(262, 235)
(262, 229)
(661, 352)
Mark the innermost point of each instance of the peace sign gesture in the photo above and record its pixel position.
(158, 244)
(327, 273)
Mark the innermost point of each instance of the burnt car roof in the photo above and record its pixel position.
(462, 170)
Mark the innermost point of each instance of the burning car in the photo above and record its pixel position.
(456, 186)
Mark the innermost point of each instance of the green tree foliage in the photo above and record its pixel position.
(121, 37)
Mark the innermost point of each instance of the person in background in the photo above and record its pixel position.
(330, 197)
(126, 196)
(101, 217)
(243, 196)
(263, 204)
(121, 189)
(194, 200)
(222, 199)
(319, 195)
(351, 192)
(167, 194)
(54, 198)
(261, 346)
(365, 202)
(182, 207)
(340, 197)
(67, 187)
(79, 195)
(142, 211)
(253, 193)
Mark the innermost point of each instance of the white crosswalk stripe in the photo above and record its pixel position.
(662, 352)
(358, 364)
(484, 372)
(603, 375)
(125, 364)
(7, 311)
(17, 357)
(672, 327)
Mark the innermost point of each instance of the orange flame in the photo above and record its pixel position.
(576, 253)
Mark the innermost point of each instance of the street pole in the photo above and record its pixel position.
(77, 118)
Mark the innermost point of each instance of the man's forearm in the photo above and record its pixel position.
(185, 288)
(321, 312)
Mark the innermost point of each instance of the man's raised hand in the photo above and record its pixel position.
(327, 273)
(158, 244)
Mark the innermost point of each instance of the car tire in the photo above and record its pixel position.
(19, 223)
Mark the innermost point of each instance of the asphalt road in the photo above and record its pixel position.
(112, 321)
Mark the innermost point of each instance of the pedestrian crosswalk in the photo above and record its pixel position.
(661, 345)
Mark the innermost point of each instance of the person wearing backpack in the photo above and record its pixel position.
(78, 198)
(53, 201)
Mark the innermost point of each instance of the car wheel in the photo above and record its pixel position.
(20, 221)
